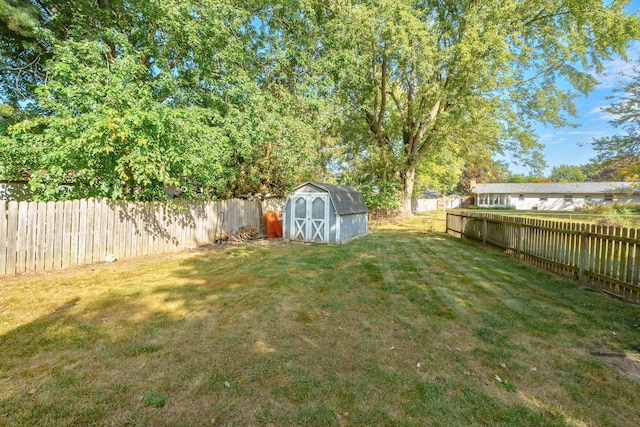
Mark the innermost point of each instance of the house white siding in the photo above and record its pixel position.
(554, 196)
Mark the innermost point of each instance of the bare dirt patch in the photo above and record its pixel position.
(627, 363)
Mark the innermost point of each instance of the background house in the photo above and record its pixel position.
(427, 201)
(430, 200)
(560, 196)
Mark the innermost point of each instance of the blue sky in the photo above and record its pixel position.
(572, 146)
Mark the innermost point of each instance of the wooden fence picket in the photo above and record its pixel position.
(50, 235)
(40, 237)
(12, 239)
(55, 211)
(630, 256)
(22, 236)
(82, 232)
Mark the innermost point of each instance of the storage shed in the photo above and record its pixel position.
(324, 213)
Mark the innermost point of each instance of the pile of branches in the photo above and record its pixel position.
(245, 233)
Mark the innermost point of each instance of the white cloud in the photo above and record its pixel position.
(555, 138)
(618, 71)
(572, 137)
(599, 113)
(581, 132)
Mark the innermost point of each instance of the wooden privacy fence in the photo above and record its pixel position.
(602, 256)
(40, 236)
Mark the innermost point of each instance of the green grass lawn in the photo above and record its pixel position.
(401, 327)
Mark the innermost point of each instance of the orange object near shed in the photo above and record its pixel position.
(272, 224)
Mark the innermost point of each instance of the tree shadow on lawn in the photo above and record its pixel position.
(93, 361)
(325, 335)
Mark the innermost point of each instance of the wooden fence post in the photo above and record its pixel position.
(520, 239)
(484, 230)
(584, 256)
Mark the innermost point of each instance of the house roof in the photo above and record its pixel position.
(557, 187)
(428, 194)
(346, 200)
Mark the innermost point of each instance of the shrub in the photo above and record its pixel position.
(613, 219)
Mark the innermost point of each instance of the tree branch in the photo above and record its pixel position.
(383, 85)
(44, 8)
(397, 103)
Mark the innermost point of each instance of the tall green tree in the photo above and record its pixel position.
(414, 75)
(103, 133)
(440, 171)
(568, 173)
(260, 87)
(625, 146)
(120, 98)
(621, 169)
(480, 170)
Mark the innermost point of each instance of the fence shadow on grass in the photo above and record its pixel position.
(87, 361)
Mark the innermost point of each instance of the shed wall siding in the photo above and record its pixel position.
(333, 229)
(352, 226)
(287, 231)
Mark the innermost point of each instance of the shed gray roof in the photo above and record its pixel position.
(557, 188)
(346, 200)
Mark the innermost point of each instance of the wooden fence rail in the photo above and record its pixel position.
(40, 236)
(601, 256)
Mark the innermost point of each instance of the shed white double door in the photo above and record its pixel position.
(310, 219)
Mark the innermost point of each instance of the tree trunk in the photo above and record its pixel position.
(407, 190)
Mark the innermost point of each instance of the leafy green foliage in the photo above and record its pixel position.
(479, 170)
(386, 196)
(439, 170)
(568, 173)
(521, 178)
(135, 97)
(18, 17)
(100, 132)
(625, 146)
